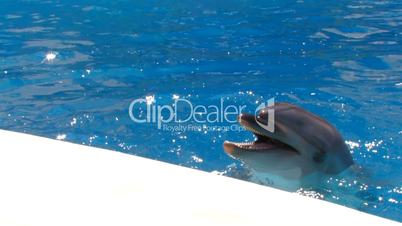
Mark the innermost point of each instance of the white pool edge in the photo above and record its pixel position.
(49, 182)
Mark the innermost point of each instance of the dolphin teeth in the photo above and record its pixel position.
(253, 130)
(255, 145)
(243, 145)
(247, 145)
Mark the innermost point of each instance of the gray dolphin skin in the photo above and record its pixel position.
(301, 144)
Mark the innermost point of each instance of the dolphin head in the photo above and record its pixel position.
(301, 142)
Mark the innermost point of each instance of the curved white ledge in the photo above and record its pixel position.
(48, 182)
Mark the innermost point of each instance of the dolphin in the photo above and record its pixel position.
(300, 145)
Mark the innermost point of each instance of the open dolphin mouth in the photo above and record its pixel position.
(263, 142)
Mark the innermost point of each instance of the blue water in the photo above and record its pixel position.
(339, 59)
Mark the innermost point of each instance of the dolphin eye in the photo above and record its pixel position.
(319, 157)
